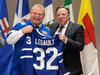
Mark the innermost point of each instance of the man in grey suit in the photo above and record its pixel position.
(73, 37)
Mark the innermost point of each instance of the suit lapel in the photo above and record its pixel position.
(68, 28)
(56, 26)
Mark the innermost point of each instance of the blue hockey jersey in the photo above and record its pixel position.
(15, 68)
(42, 55)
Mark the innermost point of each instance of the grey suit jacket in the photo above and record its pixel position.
(71, 50)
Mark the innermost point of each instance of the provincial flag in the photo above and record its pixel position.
(49, 18)
(22, 11)
(6, 50)
(68, 3)
(89, 55)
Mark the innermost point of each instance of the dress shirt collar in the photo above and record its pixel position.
(38, 25)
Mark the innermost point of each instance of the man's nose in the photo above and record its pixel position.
(37, 15)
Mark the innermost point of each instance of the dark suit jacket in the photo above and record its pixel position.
(71, 50)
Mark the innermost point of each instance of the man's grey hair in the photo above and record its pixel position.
(39, 5)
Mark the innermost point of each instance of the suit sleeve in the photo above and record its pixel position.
(76, 43)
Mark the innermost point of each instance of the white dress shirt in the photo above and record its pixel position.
(63, 29)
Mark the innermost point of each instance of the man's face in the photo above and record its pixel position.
(37, 15)
(62, 16)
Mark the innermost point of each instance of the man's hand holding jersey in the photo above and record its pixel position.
(27, 29)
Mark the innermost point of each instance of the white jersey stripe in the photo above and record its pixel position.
(22, 57)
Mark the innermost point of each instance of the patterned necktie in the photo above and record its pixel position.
(60, 30)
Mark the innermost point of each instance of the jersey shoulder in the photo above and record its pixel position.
(21, 25)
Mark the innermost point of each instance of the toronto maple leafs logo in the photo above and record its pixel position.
(23, 23)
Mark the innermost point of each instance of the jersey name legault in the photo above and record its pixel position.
(44, 42)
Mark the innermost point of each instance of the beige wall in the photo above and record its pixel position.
(11, 5)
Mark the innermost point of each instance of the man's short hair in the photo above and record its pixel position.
(39, 5)
(64, 8)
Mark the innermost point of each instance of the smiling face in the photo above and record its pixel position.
(37, 15)
(62, 16)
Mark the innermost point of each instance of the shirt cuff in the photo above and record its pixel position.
(66, 41)
(21, 33)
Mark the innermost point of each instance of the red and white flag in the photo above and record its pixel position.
(5, 26)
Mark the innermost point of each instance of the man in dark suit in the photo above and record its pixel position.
(73, 37)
